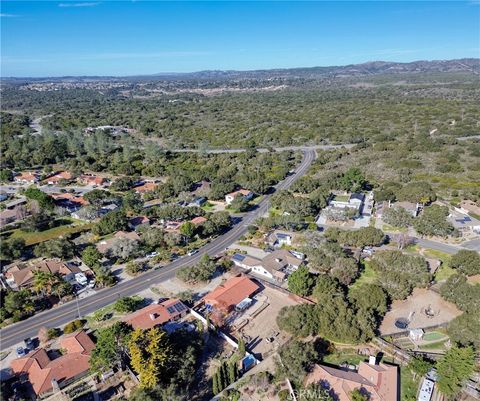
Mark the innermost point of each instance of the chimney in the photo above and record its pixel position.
(278, 260)
(372, 360)
(153, 316)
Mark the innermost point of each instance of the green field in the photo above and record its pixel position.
(433, 336)
(367, 276)
(32, 238)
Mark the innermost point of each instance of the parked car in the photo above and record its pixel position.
(20, 352)
(152, 255)
(29, 343)
(192, 252)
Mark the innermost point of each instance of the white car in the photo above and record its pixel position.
(152, 255)
(192, 252)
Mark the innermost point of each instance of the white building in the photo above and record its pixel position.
(245, 193)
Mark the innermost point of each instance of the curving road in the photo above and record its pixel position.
(62, 314)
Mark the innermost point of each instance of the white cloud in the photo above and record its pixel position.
(8, 15)
(89, 4)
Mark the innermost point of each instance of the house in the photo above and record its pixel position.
(22, 276)
(351, 201)
(62, 176)
(379, 381)
(199, 201)
(198, 220)
(92, 180)
(275, 266)
(46, 373)
(464, 223)
(245, 193)
(27, 177)
(230, 294)
(245, 261)
(105, 245)
(70, 201)
(412, 208)
(108, 208)
(138, 221)
(145, 187)
(279, 264)
(278, 239)
(155, 315)
(172, 226)
(8, 216)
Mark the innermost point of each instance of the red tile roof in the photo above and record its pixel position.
(147, 187)
(231, 293)
(198, 220)
(379, 380)
(156, 314)
(41, 370)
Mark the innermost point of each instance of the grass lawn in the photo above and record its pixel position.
(439, 345)
(388, 228)
(32, 238)
(341, 198)
(367, 276)
(444, 271)
(346, 355)
(433, 336)
(257, 200)
(275, 212)
(408, 386)
(208, 207)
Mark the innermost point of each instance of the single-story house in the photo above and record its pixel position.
(47, 374)
(138, 221)
(152, 203)
(278, 239)
(347, 200)
(8, 216)
(93, 180)
(245, 193)
(464, 223)
(199, 201)
(198, 220)
(157, 314)
(145, 187)
(279, 264)
(172, 226)
(230, 294)
(70, 201)
(27, 177)
(22, 276)
(105, 245)
(412, 208)
(379, 381)
(246, 261)
(56, 178)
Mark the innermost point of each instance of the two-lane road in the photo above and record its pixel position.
(62, 314)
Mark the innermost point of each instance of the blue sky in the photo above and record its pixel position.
(47, 38)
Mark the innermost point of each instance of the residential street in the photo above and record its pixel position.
(69, 311)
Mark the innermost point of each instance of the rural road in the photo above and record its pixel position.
(62, 314)
(264, 150)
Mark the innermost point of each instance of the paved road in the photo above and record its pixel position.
(437, 246)
(264, 150)
(60, 315)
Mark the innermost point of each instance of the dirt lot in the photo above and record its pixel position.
(261, 322)
(416, 304)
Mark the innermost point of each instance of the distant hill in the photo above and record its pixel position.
(369, 68)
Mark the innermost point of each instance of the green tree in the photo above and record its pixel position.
(357, 395)
(456, 366)
(188, 229)
(397, 217)
(420, 366)
(91, 256)
(126, 305)
(241, 347)
(73, 326)
(433, 221)
(297, 359)
(111, 222)
(55, 248)
(466, 262)
(111, 347)
(464, 329)
(301, 281)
